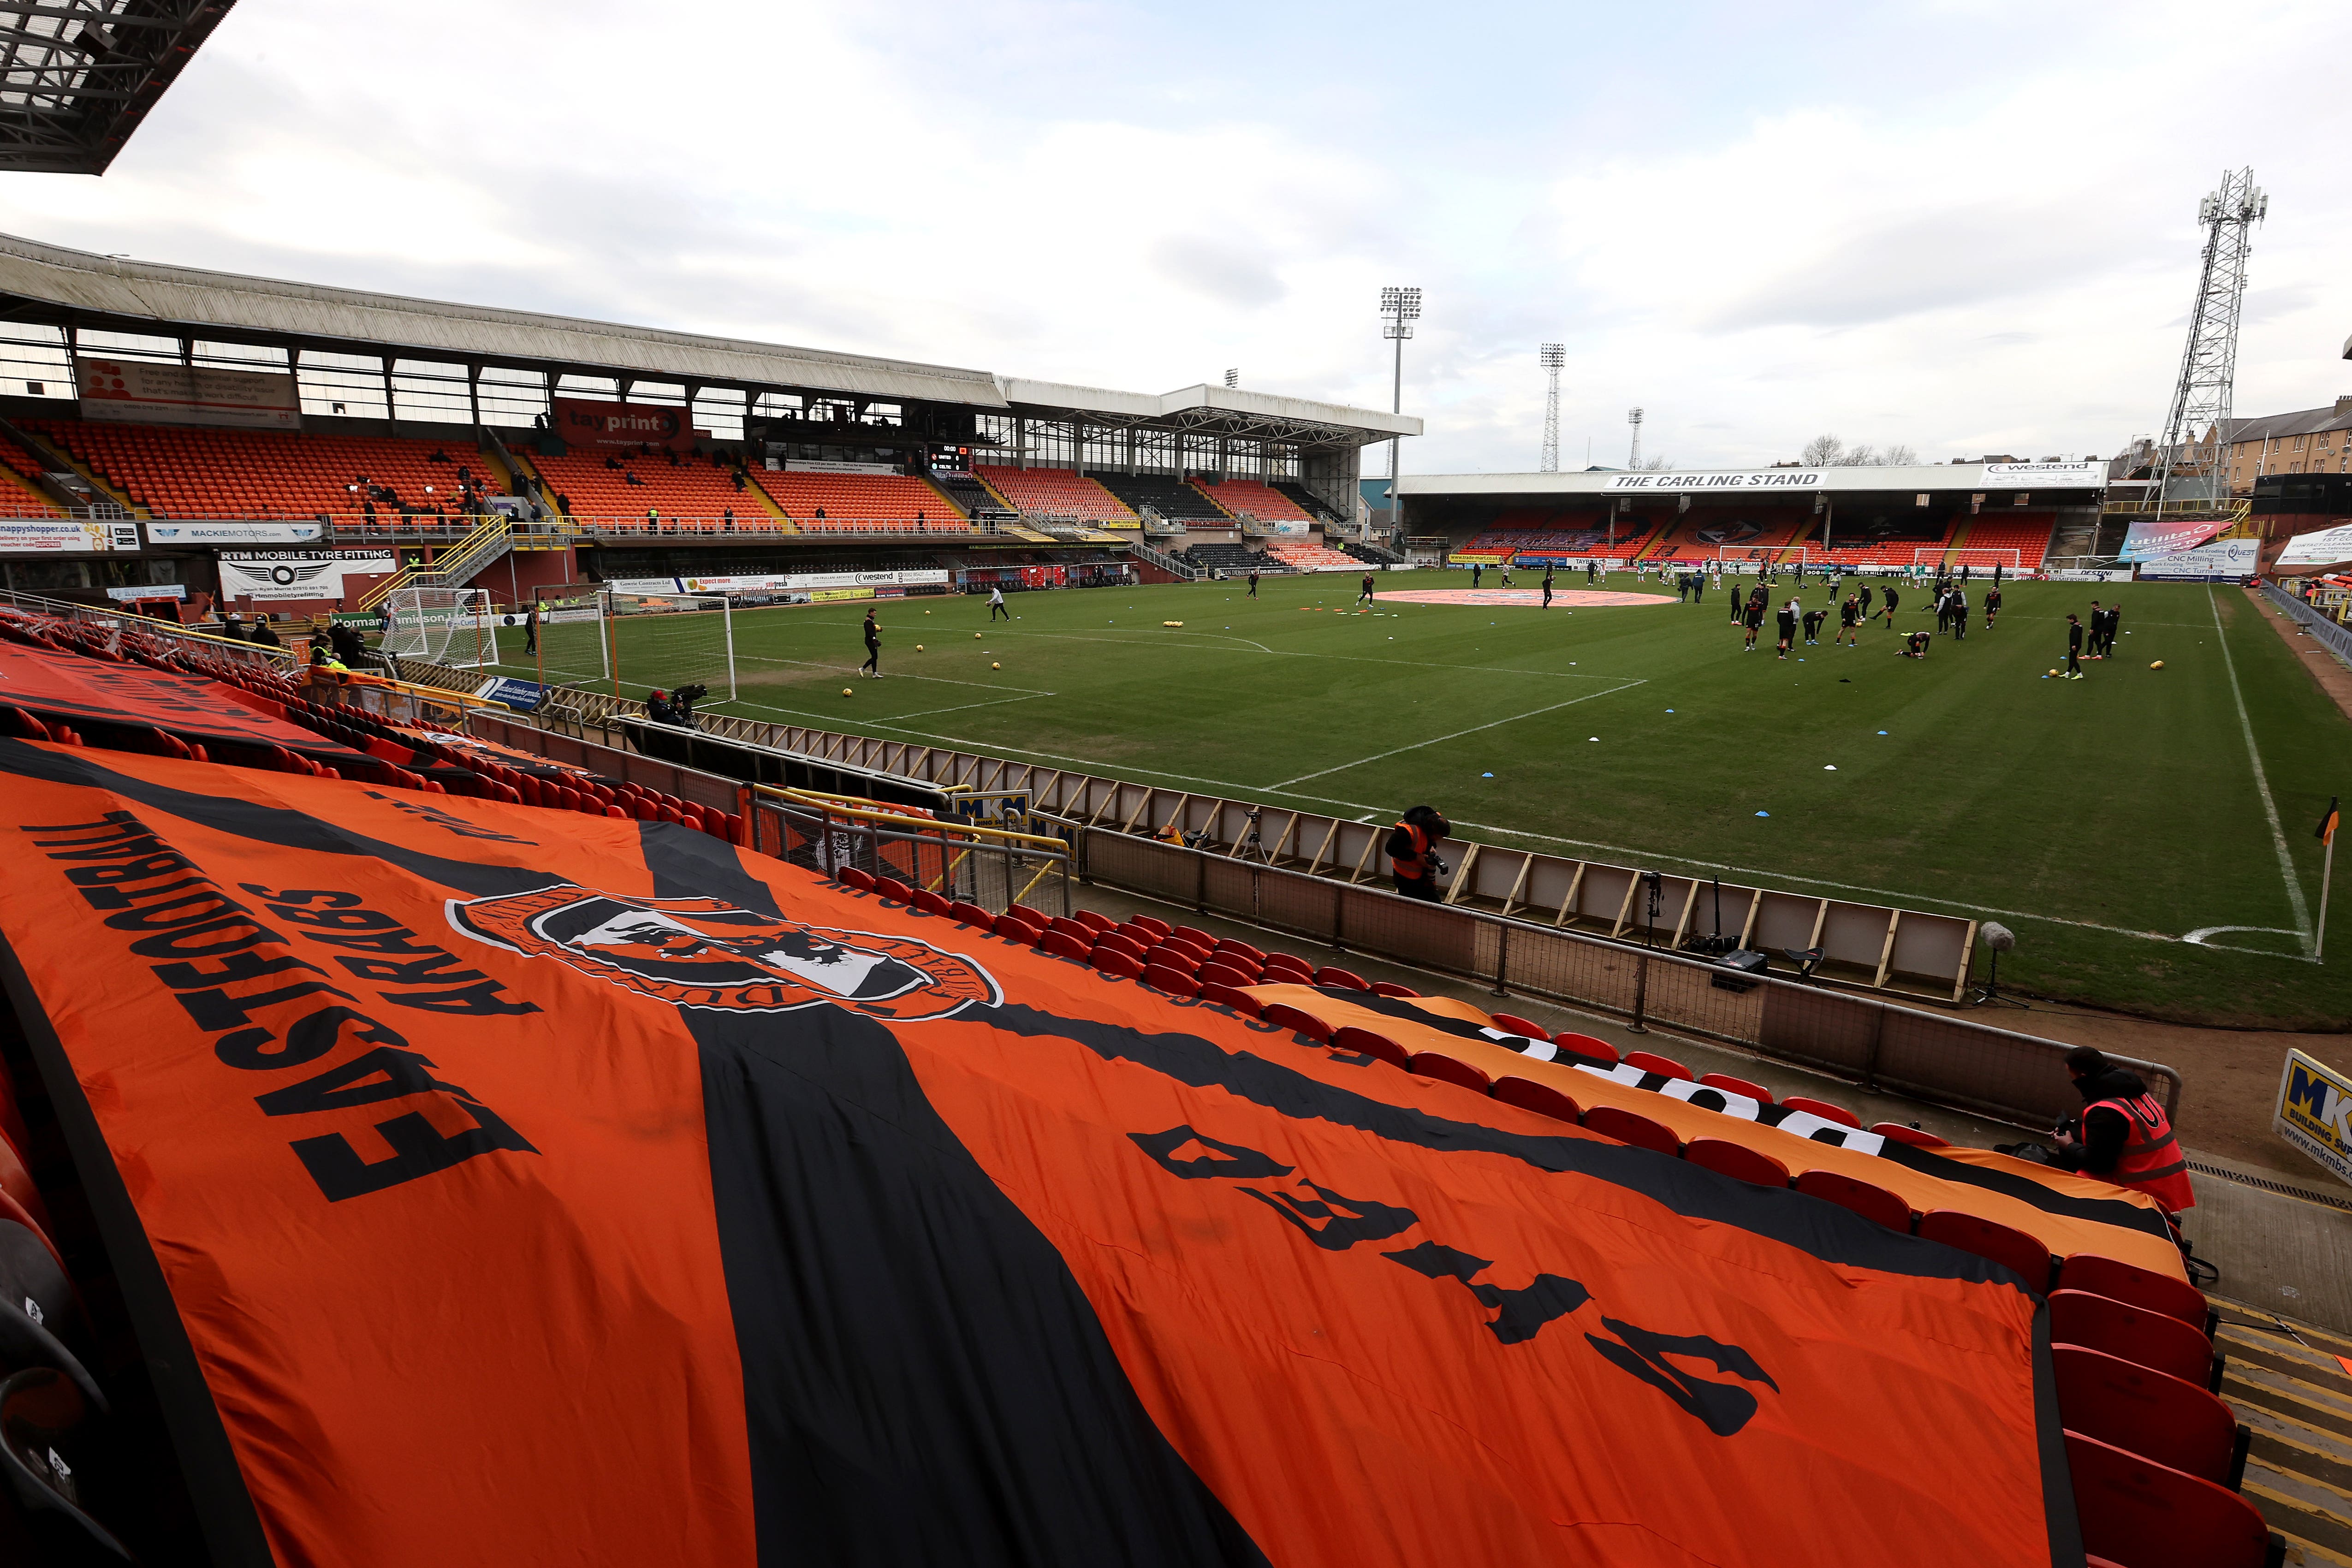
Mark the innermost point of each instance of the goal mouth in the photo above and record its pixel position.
(612, 636)
(454, 627)
(1982, 560)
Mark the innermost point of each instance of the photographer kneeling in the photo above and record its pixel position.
(1413, 852)
(2125, 1136)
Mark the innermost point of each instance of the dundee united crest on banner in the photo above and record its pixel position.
(706, 952)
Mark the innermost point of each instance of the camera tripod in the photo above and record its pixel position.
(1252, 844)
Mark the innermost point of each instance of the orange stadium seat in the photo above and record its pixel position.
(1054, 492)
(860, 503)
(19, 494)
(1253, 498)
(695, 495)
(177, 472)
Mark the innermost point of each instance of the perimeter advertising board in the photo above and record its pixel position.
(2044, 476)
(233, 532)
(2314, 1114)
(2226, 561)
(61, 536)
(612, 425)
(2149, 537)
(2322, 547)
(287, 574)
(144, 392)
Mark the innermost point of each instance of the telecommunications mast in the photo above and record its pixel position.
(1551, 356)
(2200, 398)
(1633, 417)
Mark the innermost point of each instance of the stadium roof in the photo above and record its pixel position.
(57, 285)
(77, 77)
(1767, 482)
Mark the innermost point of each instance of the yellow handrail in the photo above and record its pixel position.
(827, 803)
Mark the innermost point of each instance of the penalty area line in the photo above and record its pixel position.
(2262, 783)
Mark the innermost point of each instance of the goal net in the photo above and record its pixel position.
(1975, 560)
(568, 646)
(664, 641)
(449, 626)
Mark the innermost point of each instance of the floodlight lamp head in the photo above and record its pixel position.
(1633, 417)
(1996, 936)
(1403, 303)
(1552, 355)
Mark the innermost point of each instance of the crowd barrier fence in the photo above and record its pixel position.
(2335, 634)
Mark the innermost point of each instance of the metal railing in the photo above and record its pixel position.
(959, 863)
(1164, 562)
(2335, 634)
(1883, 1047)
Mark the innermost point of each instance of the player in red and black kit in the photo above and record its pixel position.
(1753, 618)
(1993, 601)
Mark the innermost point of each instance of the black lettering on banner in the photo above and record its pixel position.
(205, 942)
(394, 1072)
(418, 1149)
(1335, 1223)
(335, 917)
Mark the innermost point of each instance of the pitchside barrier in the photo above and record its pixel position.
(1581, 953)
(2333, 633)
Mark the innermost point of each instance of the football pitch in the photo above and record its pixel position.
(2147, 833)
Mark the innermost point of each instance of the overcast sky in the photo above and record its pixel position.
(1968, 226)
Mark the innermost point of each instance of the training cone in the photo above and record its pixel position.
(2157, 665)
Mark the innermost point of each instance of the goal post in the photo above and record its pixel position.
(452, 627)
(664, 641)
(568, 645)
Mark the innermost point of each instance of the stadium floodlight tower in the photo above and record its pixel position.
(1552, 356)
(1402, 308)
(2200, 398)
(1633, 417)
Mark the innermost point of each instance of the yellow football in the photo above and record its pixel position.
(919, 646)
(996, 666)
(2054, 672)
(845, 691)
(975, 636)
(2157, 665)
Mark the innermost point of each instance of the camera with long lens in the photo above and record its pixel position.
(687, 696)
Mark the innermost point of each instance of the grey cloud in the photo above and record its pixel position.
(1226, 273)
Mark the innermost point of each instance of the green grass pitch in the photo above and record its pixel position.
(2105, 820)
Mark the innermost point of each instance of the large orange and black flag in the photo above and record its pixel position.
(494, 1186)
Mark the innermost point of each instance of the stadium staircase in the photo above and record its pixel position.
(50, 459)
(1166, 562)
(454, 568)
(20, 484)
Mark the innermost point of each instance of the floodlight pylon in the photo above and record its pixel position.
(1401, 307)
(1633, 417)
(1551, 356)
(2201, 395)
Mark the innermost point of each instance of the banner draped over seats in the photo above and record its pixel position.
(79, 690)
(539, 1187)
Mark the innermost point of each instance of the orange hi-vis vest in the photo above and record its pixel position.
(1414, 866)
(2151, 1160)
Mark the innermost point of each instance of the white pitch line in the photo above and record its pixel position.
(2261, 782)
(896, 675)
(961, 707)
(1441, 739)
(1340, 657)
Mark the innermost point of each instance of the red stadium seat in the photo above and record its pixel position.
(1174, 982)
(932, 904)
(1871, 1203)
(1446, 1070)
(2153, 1340)
(2140, 1514)
(1196, 936)
(1110, 961)
(1284, 970)
(1143, 936)
(1540, 1098)
(1627, 1126)
(2148, 1413)
(1391, 988)
(1585, 1045)
(1665, 1066)
(1174, 955)
(1296, 1022)
(1200, 953)
(1018, 930)
(1823, 1108)
(1157, 927)
(1343, 979)
(1112, 942)
(1231, 945)
(1224, 975)
(2140, 1287)
(2021, 1254)
(971, 915)
(1097, 923)
(1512, 1024)
(1737, 1161)
(1229, 996)
(851, 876)
(1730, 1085)
(1366, 1043)
(1911, 1135)
(1076, 930)
(1062, 944)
